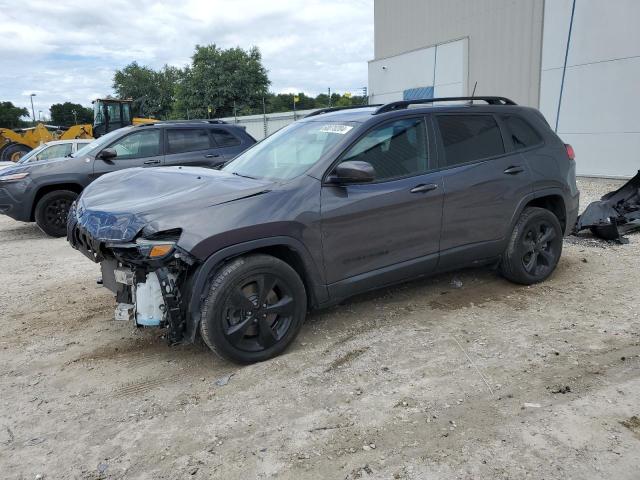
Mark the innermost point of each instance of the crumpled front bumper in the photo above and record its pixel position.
(615, 214)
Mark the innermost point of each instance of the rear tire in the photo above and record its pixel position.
(14, 152)
(52, 211)
(534, 248)
(255, 307)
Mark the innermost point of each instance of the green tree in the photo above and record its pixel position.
(225, 80)
(67, 114)
(10, 115)
(153, 92)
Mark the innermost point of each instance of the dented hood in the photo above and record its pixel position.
(117, 206)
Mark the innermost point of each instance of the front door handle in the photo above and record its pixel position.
(212, 155)
(513, 170)
(424, 188)
(152, 162)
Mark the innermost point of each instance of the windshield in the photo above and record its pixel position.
(92, 147)
(27, 157)
(290, 151)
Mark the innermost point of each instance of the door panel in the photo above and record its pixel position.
(138, 149)
(480, 200)
(480, 195)
(366, 227)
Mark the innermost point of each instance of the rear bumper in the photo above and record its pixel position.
(573, 208)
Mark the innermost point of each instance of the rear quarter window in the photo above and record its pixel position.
(468, 138)
(224, 138)
(521, 133)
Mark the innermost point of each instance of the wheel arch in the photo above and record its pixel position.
(555, 204)
(43, 190)
(550, 199)
(287, 249)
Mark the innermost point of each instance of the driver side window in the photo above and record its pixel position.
(145, 143)
(395, 150)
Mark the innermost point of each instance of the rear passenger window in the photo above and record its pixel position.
(224, 138)
(469, 137)
(187, 140)
(522, 134)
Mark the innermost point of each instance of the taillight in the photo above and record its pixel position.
(570, 153)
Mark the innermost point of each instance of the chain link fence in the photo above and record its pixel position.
(261, 126)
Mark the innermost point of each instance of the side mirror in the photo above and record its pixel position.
(108, 154)
(353, 172)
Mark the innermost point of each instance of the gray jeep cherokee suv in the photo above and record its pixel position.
(341, 202)
(43, 191)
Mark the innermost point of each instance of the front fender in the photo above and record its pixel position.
(199, 281)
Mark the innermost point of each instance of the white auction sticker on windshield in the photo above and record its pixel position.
(334, 128)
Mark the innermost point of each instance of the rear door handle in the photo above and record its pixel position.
(212, 155)
(152, 162)
(424, 188)
(514, 170)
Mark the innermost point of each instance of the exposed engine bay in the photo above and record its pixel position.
(145, 275)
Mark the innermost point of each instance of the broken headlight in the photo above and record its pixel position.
(158, 245)
(154, 248)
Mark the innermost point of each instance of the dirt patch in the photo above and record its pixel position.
(346, 358)
(633, 424)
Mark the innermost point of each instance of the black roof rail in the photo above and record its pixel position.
(171, 122)
(335, 109)
(196, 120)
(389, 107)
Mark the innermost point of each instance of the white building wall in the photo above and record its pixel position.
(443, 67)
(601, 95)
(503, 42)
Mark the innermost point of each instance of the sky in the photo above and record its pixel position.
(65, 51)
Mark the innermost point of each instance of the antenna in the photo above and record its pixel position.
(473, 94)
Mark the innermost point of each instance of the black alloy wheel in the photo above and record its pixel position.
(539, 255)
(534, 248)
(255, 307)
(52, 211)
(258, 313)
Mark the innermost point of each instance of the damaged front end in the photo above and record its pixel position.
(147, 275)
(615, 214)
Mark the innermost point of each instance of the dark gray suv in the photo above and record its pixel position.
(341, 202)
(43, 191)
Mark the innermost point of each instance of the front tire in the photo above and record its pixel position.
(52, 211)
(255, 307)
(534, 248)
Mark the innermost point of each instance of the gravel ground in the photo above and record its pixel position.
(420, 381)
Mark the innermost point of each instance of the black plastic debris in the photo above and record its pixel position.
(615, 214)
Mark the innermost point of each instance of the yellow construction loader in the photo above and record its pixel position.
(108, 114)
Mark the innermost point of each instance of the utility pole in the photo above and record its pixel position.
(33, 112)
(264, 116)
(329, 89)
